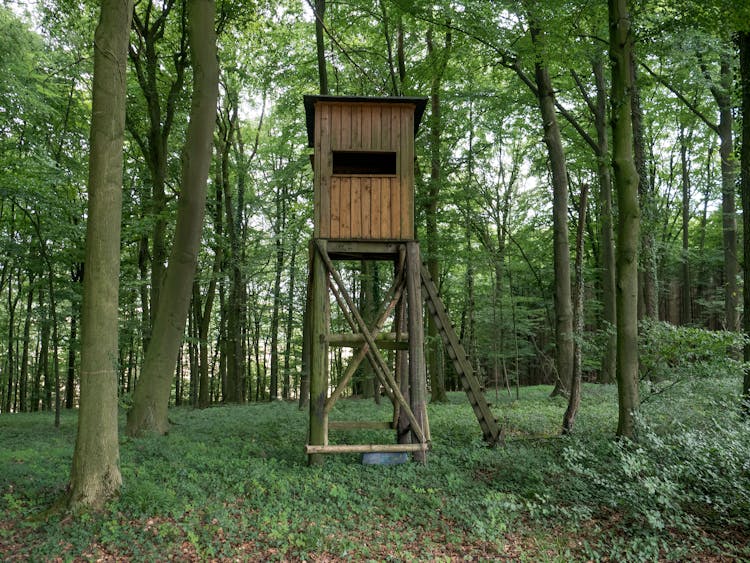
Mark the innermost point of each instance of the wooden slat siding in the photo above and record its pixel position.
(325, 169)
(356, 208)
(366, 208)
(406, 172)
(335, 208)
(345, 228)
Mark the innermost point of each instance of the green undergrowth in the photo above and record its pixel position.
(231, 482)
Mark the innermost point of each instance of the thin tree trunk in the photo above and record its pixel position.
(320, 10)
(95, 473)
(563, 302)
(686, 309)
(151, 397)
(743, 39)
(287, 384)
(648, 279)
(574, 400)
(609, 313)
(434, 342)
(626, 185)
(24, 375)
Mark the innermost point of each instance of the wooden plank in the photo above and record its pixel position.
(375, 129)
(356, 250)
(345, 214)
(395, 187)
(386, 340)
(356, 126)
(375, 208)
(359, 425)
(346, 127)
(336, 127)
(366, 133)
(335, 199)
(417, 367)
(366, 208)
(385, 209)
(364, 448)
(385, 128)
(356, 208)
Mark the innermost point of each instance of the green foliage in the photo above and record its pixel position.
(232, 482)
(666, 349)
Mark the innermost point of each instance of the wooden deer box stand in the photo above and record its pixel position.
(363, 165)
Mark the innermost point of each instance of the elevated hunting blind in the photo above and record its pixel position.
(363, 165)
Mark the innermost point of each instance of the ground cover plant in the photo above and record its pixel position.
(231, 483)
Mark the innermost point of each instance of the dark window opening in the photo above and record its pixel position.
(364, 163)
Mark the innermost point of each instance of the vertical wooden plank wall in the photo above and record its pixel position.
(356, 206)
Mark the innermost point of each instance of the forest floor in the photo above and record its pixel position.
(231, 483)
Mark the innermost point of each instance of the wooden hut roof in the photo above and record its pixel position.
(310, 100)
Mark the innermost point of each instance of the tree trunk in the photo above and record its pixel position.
(286, 389)
(280, 226)
(686, 316)
(95, 473)
(626, 185)
(722, 94)
(648, 279)
(151, 397)
(320, 11)
(434, 342)
(24, 375)
(563, 302)
(607, 245)
(743, 39)
(574, 400)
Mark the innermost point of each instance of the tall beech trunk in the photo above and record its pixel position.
(151, 397)
(287, 383)
(147, 63)
(24, 374)
(743, 39)
(648, 279)
(607, 244)
(563, 300)
(574, 399)
(722, 95)
(279, 228)
(686, 316)
(626, 186)
(434, 342)
(95, 473)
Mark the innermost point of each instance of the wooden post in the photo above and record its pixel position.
(318, 433)
(417, 370)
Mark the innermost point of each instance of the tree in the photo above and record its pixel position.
(95, 473)
(626, 187)
(553, 141)
(151, 397)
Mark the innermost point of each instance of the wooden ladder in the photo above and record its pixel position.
(487, 421)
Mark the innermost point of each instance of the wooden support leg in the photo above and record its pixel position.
(417, 369)
(318, 433)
